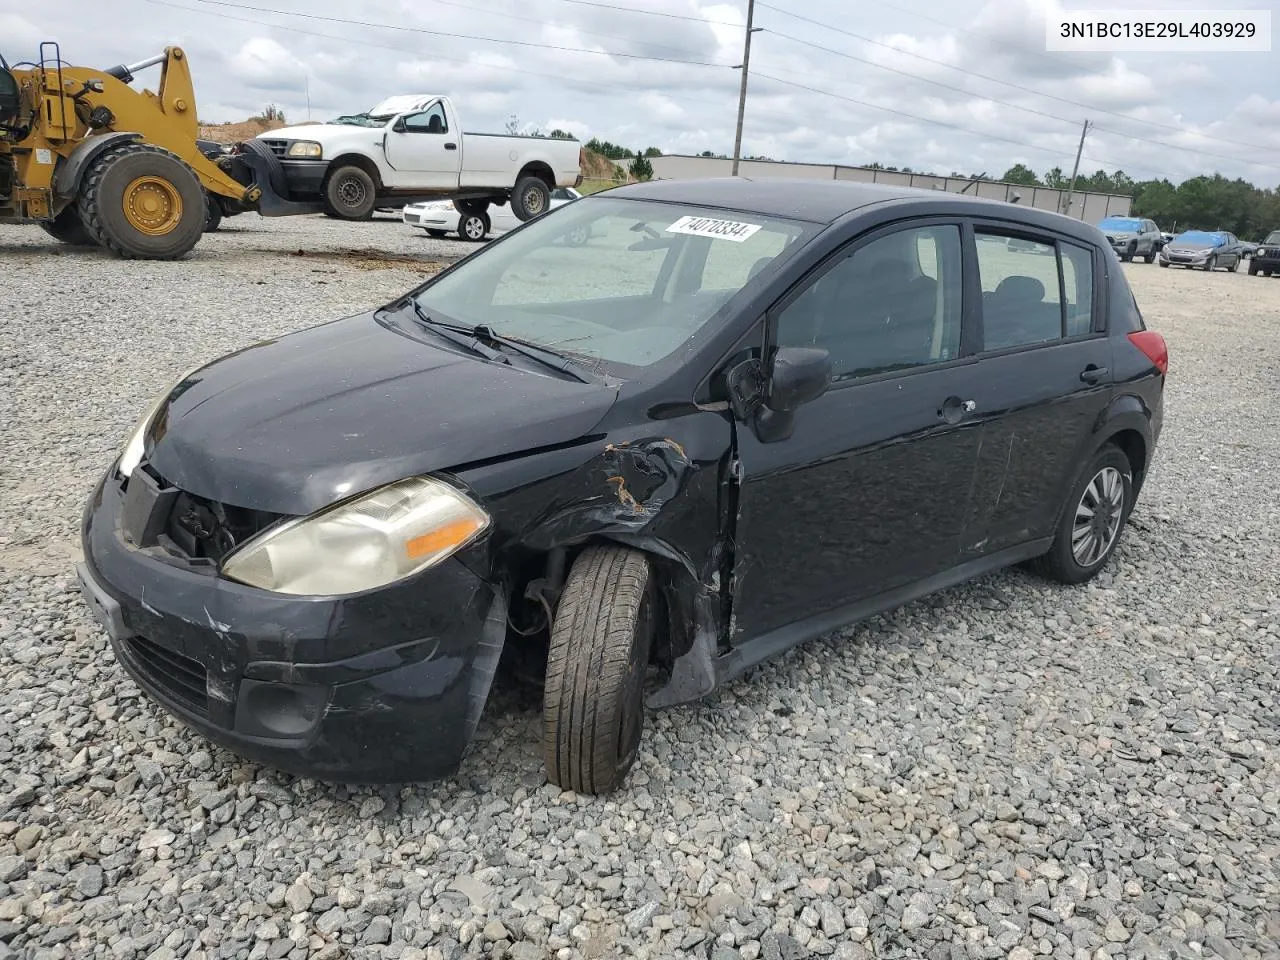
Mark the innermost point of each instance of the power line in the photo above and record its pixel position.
(1006, 83)
(460, 36)
(938, 123)
(593, 84)
(651, 13)
(1003, 103)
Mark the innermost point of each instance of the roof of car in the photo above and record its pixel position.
(818, 201)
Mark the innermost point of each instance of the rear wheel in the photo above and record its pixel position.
(142, 202)
(530, 198)
(69, 228)
(350, 194)
(1092, 519)
(593, 700)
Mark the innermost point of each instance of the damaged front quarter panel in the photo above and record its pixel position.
(661, 493)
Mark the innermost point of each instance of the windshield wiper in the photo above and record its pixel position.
(479, 336)
(459, 335)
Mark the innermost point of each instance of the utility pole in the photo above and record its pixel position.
(307, 78)
(1071, 187)
(742, 92)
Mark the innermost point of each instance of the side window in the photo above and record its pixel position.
(1077, 280)
(1021, 303)
(431, 120)
(890, 305)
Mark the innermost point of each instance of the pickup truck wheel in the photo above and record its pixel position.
(350, 194)
(530, 198)
(473, 226)
(593, 698)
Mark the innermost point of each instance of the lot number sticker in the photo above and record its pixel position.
(719, 229)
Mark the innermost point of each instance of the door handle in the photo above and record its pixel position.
(1092, 374)
(451, 146)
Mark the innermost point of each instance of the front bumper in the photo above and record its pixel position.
(1182, 260)
(305, 178)
(383, 687)
(1269, 262)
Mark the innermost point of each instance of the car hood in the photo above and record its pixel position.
(1121, 234)
(329, 134)
(294, 424)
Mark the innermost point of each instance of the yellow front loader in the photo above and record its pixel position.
(95, 161)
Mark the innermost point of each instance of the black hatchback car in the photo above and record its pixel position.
(742, 414)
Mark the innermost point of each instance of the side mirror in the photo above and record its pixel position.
(799, 375)
(399, 125)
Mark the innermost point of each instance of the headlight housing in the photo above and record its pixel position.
(372, 540)
(306, 149)
(133, 447)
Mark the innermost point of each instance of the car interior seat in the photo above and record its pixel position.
(1016, 312)
(435, 124)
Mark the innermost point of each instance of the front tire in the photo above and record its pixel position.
(1130, 250)
(530, 198)
(593, 700)
(350, 194)
(1092, 520)
(142, 202)
(67, 227)
(473, 227)
(213, 215)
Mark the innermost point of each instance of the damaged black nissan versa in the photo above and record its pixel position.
(740, 415)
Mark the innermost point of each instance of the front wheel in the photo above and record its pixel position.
(350, 194)
(530, 198)
(1092, 520)
(593, 699)
(142, 202)
(1235, 265)
(1127, 256)
(1253, 269)
(473, 226)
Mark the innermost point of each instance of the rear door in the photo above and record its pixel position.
(870, 490)
(424, 152)
(1046, 365)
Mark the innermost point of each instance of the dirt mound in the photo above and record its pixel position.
(597, 167)
(235, 132)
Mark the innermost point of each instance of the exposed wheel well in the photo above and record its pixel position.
(1134, 447)
(354, 160)
(540, 170)
(527, 620)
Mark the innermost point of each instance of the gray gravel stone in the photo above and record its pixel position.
(1007, 769)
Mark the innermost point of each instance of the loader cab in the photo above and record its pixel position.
(9, 103)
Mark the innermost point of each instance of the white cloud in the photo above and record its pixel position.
(265, 63)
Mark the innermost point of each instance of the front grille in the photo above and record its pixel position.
(278, 147)
(182, 678)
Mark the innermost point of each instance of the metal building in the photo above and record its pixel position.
(1090, 207)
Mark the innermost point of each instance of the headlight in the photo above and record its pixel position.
(133, 448)
(370, 541)
(304, 148)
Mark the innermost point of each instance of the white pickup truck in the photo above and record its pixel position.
(412, 148)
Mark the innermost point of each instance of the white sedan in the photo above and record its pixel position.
(440, 217)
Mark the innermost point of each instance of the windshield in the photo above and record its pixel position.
(1197, 238)
(1273, 237)
(620, 283)
(364, 119)
(1121, 223)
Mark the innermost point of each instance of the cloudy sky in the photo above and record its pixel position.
(826, 75)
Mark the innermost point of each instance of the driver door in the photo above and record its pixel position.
(870, 491)
(422, 150)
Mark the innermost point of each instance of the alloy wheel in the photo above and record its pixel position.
(1098, 516)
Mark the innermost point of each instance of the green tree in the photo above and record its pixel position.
(641, 168)
(1022, 175)
(558, 134)
(1056, 178)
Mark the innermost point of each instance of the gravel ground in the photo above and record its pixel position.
(1008, 769)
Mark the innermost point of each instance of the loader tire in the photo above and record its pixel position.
(593, 698)
(142, 203)
(213, 218)
(68, 227)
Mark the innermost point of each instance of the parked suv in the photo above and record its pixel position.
(1133, 236)
(1266, 260)
(739, 416)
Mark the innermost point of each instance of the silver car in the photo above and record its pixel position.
(1133, 236)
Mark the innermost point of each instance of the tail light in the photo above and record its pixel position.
(1153, 347)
